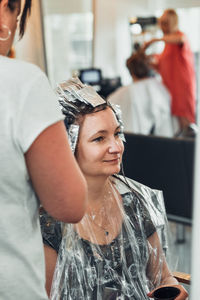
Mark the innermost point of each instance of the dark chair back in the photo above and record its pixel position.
(165, 164)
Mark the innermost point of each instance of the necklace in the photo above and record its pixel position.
(107, 197)
(106, 232)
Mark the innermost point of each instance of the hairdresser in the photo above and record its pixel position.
(36, 164)
(176, 66)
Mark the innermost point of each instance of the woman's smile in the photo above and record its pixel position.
(112, 161)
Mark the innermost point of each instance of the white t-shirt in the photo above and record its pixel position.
(145, 104)
(27, 107)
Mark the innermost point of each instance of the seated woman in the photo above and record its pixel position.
(114, 252)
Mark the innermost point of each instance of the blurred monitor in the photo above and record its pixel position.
(91, 76)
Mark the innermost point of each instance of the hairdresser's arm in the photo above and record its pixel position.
(56, 176)
(157, 264)
(50, 263)
(173, 38)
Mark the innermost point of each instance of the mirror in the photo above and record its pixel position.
(117, 43)
(72, 44)
(68, 33)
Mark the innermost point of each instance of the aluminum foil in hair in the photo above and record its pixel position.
(74, 89)
(118, 114)
(73, 132)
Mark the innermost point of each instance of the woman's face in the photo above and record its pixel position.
(167, 23)
(9, 17)
(100, 148)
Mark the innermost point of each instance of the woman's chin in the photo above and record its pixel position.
(115, 170)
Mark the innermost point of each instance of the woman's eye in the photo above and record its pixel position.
(98, 139)
(118, 133)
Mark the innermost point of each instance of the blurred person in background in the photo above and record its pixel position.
(145, 103)
(36, 164)
(176, 66)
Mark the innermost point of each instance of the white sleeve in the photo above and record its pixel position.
(39, 108)
(161, 110)
(114, 97)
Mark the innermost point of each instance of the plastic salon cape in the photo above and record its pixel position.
(126, 268)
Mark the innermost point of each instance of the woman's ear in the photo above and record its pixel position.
(3, 7)
(3, 4)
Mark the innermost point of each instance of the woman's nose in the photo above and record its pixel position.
(114, 146)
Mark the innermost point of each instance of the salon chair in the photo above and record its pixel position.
(165, 164)
(182, 277)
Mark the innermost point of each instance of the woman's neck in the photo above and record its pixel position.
(97, 188)
(136, 79)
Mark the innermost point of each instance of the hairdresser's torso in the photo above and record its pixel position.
(176, 66)
(21, 265)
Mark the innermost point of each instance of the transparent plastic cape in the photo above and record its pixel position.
(127, 266)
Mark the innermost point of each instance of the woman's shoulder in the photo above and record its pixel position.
(24, 70)
(117, 94)
(148, 198)
(135, 204)
(126, 183)
(180, 33)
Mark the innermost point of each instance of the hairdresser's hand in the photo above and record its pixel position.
(147, 44)
(182, 296)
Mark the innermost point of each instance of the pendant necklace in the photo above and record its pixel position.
(105, 231)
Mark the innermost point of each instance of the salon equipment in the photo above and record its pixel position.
(104, 86)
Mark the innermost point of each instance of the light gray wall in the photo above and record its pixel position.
(156, 4)
(66, 6)
(112, 43)
(31, 47)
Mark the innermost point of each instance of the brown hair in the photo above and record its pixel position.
(138, 65)
(26, 12)
(172, 13)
